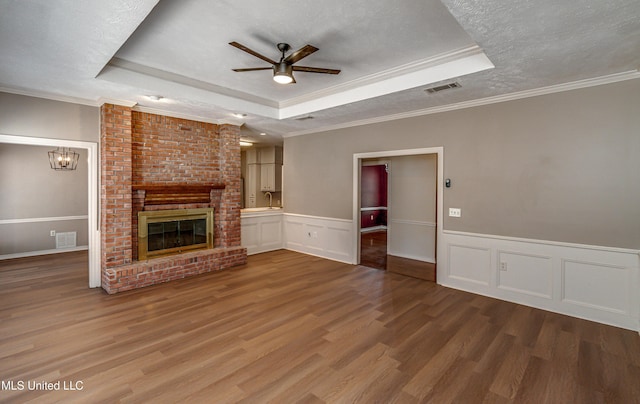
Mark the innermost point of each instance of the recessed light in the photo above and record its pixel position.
(239, 115)
(263, 134)
(155, 97)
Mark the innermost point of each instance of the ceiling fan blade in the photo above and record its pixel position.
(251, 69)
(251, 52)
(300, 53)
(315, 70)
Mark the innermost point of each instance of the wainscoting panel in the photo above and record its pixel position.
(525, 273)
(469, 264)
(412, 239)
(589, 284)
(595, 283)
(319, 236)
(271, 233)
(261, 233)
(250, 234)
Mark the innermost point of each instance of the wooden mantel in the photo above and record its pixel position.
(177, 194)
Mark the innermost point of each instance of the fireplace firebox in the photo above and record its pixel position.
(165, 232)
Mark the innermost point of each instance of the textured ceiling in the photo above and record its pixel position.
(389, 52)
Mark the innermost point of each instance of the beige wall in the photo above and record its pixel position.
(412, 187)
(412, 206)
(30, 189)
(561, 167)
(36, 117)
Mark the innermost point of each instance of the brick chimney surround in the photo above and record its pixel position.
(144, 155)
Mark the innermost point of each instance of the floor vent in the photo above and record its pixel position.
(66, 239)
(443, 87)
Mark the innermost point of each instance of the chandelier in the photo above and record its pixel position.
(65, 159)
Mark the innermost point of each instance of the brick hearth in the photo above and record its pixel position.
(140, 150)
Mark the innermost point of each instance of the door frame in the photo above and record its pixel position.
(357, 164)
(92, 191)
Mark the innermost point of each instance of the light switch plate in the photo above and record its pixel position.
(455, 212)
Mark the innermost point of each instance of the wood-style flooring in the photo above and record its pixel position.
(373, 254)
(289, 328)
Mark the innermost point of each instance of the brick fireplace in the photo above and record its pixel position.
(152, 162)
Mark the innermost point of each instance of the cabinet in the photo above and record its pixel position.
(251, 185)
(253, 156)
(270, 177)
(271, 155)
(263, 173)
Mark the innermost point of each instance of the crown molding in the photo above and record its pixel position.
(115, 101)
(157, 111)
(574, 85)
(384, 75)
(49, 96)
(166, 76)
(197, 118)
(445, 67)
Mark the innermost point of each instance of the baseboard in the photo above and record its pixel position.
(591, 282)
(42, 252)
(595, 283)
(430, 260)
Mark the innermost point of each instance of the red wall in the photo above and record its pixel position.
(373, 188)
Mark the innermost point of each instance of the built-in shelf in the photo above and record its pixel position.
(373, 208)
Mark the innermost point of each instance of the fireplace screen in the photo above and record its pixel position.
(174, 231)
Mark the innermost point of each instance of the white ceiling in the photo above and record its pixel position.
(388, 53)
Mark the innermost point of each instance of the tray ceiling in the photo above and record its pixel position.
(388, 53)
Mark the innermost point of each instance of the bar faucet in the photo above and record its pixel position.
(270, 198)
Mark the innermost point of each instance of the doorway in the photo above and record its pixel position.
(373, 213)
(404, 239)
(92, 193)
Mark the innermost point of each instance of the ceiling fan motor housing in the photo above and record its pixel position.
(282, 68)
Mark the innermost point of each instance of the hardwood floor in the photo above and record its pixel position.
(417, 269)
(373, 254)
(373, 249)
(287, 328)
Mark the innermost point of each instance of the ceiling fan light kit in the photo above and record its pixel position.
(283, 70)
(283, 73)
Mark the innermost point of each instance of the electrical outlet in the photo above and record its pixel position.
(52, 233)
(503, 266)
(455, 212)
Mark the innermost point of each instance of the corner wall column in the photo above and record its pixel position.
(229, 214)
(115, 189)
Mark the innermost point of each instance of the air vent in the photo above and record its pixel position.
(443, 87)
(304, 118)
(66, 240)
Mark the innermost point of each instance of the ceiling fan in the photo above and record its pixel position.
(283, 70)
